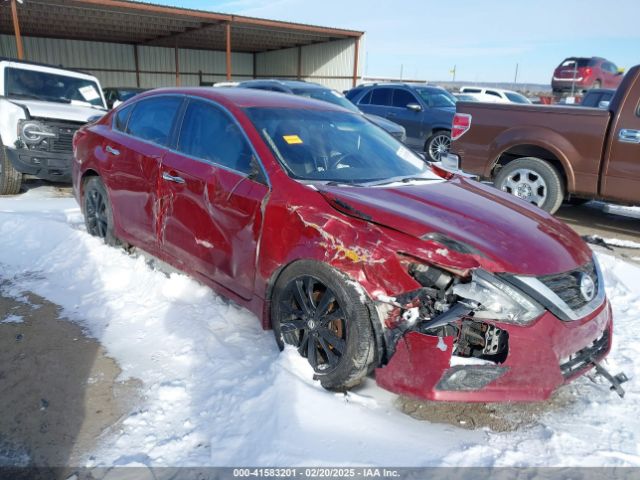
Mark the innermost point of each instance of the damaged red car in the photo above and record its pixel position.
(347, 244)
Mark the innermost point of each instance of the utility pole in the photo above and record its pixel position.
(515, 79)
(401, 68)
(453, 73)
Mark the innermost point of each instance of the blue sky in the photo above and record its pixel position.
(484, 39)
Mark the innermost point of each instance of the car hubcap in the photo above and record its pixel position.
(313, 321)
(527, 185)
(96, 214)
(439, 147)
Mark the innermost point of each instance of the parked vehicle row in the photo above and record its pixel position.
(319, 92)
(346, 243)
(426, 112)
(546, 155)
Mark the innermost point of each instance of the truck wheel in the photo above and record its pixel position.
(533, 180)
(316, 310)
(10, 178)
(437, 145)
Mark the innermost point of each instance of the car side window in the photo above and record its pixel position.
(210, 134)
(491, 92)
(152, 119)
(381, 96)
(366, 99)
(121, 117)
(402, 98)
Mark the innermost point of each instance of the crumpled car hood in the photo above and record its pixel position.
(516, 237)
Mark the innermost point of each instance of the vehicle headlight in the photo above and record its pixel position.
(497, 300)
(32, 131)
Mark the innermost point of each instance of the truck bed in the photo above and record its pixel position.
(562, 131)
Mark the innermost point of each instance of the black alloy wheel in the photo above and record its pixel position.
(314, 322)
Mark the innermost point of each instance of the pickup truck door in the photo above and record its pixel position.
(621, 174)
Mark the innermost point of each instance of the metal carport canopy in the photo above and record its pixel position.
(137, 23)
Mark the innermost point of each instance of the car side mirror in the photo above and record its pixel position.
(255, 172)
(604, 104)
(415, 107)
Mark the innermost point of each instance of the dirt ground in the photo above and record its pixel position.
(58, 390)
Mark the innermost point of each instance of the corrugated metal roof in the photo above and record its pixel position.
(123, 21)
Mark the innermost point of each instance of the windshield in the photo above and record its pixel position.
(333, 146)
(52, 87)
(327, 95)
(516, 97)
(437, 97)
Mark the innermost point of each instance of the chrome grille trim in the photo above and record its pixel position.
(540, 292)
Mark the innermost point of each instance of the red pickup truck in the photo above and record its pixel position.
(549, 154)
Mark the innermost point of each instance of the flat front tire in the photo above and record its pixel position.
(533, 180)
(315, 309)
(10, 178)
(98, 215)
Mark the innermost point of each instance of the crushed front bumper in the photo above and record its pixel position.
(55, 167)
(542, 356)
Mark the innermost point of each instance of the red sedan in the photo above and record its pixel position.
(347, 244)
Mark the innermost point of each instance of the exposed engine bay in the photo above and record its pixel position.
(436, 309)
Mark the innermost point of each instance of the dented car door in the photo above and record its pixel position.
(211, 216)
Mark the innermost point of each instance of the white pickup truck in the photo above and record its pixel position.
(41, 107)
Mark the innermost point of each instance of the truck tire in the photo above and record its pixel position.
(533, 180)
(10, 178)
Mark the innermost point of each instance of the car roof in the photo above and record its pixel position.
(247, 97)
(399, 85)
(286, 83)
(601, 90)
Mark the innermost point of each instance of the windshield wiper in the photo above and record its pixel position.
(403, 180)
(335, 183)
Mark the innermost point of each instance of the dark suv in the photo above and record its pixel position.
(320, 92)
(426, 112)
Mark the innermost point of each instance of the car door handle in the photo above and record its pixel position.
(112, 150)
(627, 135)
(170, 178)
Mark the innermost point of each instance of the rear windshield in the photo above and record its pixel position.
(570, 62)
(51, 87)
(332, 146)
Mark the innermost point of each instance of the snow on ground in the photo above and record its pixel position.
(217, 391)
(626, 211)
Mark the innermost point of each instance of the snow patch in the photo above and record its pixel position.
(13, 319)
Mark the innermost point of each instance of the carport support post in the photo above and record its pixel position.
(177, 65)
(299, 63)
(16, 29)
(356, 54)
(228, 35)
(137, 64)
